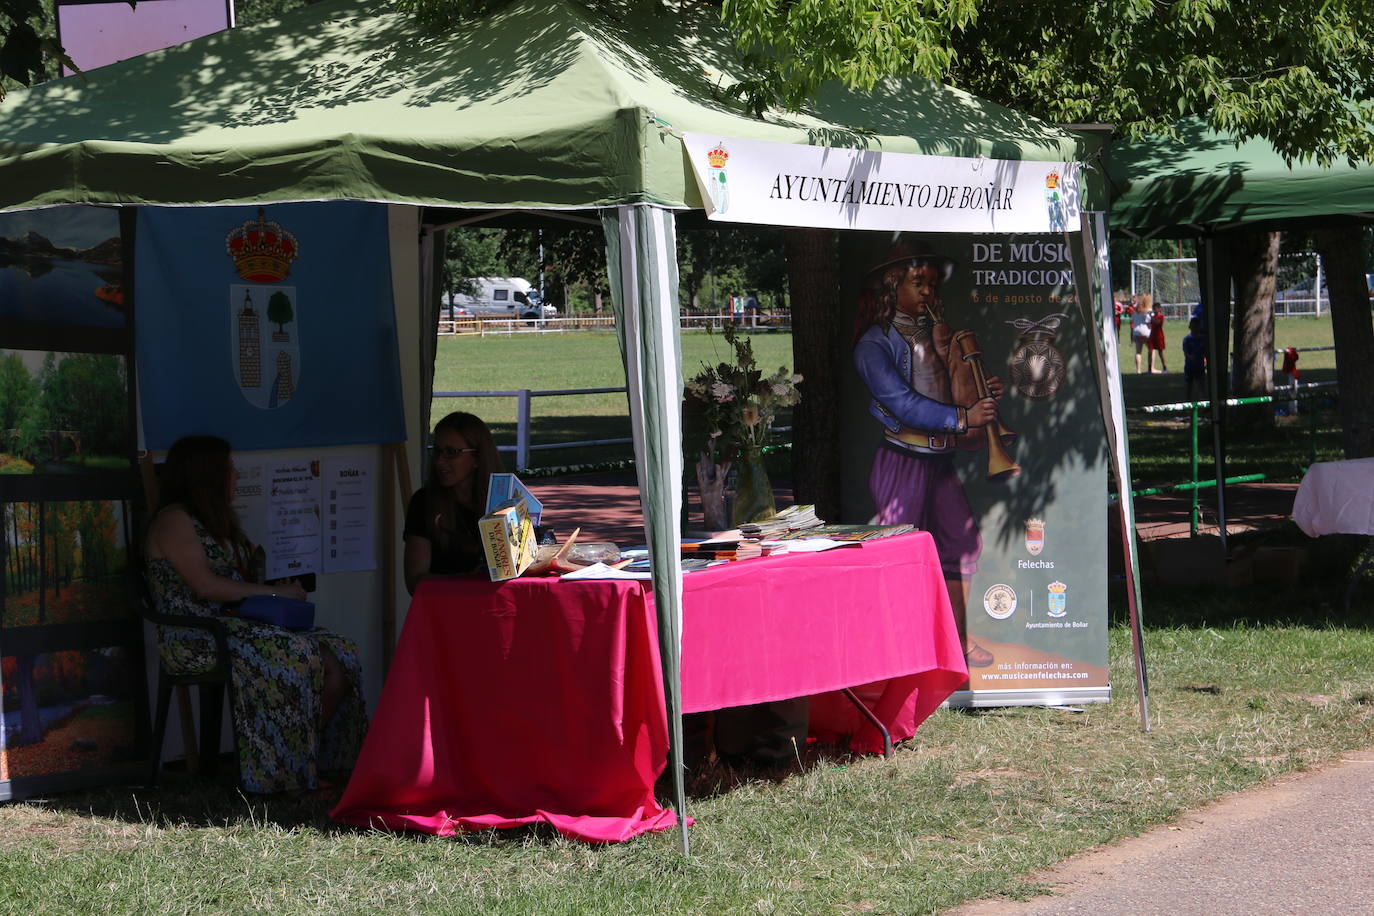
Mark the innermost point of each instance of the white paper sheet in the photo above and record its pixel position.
(350, 514)
(293, 518)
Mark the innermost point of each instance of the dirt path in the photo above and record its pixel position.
(1304, 844)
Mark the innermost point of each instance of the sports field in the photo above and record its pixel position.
(592, 360)
(588, 359)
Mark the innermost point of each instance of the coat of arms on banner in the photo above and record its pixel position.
(264, 336)
(1035, 536)
(1054, 203)
(716, 157)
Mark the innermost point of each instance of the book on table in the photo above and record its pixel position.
(505, 487)
(846, 532)
(507, 534)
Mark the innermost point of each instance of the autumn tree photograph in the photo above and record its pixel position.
(66, 711)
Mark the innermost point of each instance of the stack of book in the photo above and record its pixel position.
(846, 532)
(793, 518)
(740, 549)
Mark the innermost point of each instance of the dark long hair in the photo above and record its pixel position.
(196, 475)
(878, 299)
(443, 508)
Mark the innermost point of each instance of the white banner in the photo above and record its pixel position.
(787, 184)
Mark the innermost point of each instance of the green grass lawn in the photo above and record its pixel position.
(560, 361)
(1159, 444)
(1245, 686)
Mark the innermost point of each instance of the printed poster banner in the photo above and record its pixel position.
(272, 327)
(788, 184)
(941, 328)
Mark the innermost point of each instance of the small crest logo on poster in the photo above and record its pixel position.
(1035, 536)
(1059, 603)
(1000, 601)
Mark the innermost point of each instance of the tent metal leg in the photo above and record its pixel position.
(872, 720)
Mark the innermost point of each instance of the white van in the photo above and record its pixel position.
(504, 297)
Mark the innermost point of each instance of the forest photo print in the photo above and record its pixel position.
(64, 563)
(63, 413)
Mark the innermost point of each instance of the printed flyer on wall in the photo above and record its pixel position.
(350, 519)
(293, 518)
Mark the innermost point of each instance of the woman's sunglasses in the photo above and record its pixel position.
(448, 451)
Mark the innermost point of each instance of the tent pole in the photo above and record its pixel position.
(1215, 293)
(641, 255)
(1090, 260)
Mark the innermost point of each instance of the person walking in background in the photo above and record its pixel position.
(1156, 334)
(1140, 325)
(1195, 360)
(1119, 308)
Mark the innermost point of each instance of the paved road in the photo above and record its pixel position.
(1302, 845)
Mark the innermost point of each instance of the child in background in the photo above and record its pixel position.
(1156, 337)
(1140, 309)
(1195, 360)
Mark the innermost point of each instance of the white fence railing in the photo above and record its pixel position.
(482, 325)
(523, 396)
(1282, 307)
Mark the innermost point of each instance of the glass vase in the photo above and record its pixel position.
(753, 490)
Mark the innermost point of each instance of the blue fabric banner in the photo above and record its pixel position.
(272, 327)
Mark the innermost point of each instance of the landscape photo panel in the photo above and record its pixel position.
(68, 711)
(64, 413)
(62, 266)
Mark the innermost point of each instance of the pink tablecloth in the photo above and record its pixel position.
(541, 700)
(803, 624)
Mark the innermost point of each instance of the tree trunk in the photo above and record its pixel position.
(1254, 263)
(1354, 335)
(813, 276)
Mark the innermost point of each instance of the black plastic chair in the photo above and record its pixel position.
(213, 682)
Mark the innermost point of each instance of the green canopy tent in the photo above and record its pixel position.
(1203, 182)
(541, 106)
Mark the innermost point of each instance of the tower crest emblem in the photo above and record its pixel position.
(264, 335)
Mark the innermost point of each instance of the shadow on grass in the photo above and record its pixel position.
(182, 800)
(1315, 597)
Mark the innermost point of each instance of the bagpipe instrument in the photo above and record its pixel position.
(1000, 463)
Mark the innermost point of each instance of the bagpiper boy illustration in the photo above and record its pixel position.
(928, 402)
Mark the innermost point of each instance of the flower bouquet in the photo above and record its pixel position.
(738, 403)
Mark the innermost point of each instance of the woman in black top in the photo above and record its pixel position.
(441, 522)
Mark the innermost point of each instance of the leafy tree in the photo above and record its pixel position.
(279, 310)
(17, 388)
(1286, 71)
(731, 260)
(1300, 75)
(29, 51)
(471, 253)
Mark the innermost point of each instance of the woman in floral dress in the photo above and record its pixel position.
(297, 696)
